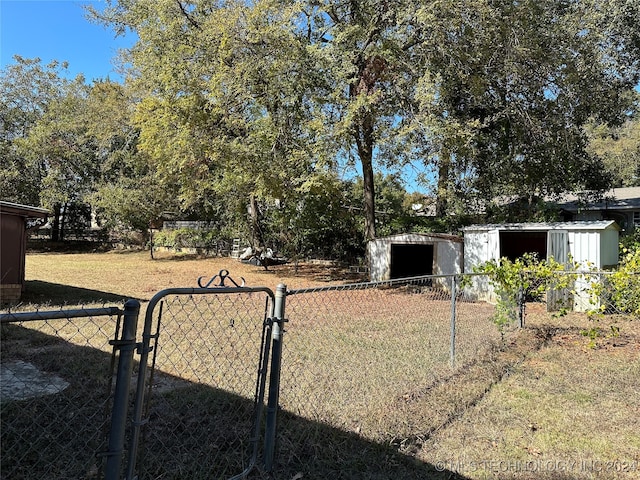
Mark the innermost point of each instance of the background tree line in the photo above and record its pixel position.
(245, 113)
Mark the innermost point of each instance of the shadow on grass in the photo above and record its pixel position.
(193, 431)
(55, 294)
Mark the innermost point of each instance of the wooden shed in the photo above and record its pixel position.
(13, 244)
(414, 254)
(591, 244)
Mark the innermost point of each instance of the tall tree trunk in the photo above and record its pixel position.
(55, 227)
(364, 142)
(257, 242)
(63, 221)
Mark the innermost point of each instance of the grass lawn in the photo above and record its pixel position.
(95, 278)
(367, 390)
(564, 411)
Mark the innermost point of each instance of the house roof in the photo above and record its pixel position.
(544, 226)
(23, 210)
(627, 198)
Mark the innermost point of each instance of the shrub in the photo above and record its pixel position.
(516, 281)
(187, 238)
(624, 289)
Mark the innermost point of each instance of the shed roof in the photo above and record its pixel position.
(23, 210)
(425, 236)
(544, 226)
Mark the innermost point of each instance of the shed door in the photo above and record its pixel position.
(411, 260)
(493, 245)
(558, 245)
(558, 248)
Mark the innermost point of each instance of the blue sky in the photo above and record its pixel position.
(58, 30)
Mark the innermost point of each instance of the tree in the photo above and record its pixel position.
(364, 51)
(47, 158)
(223, 106)
(27, 89)
(251, 100)
(282, 88)
(619, 147)
(58, 143)
(509, 87)
(127, 195)
(393, 203)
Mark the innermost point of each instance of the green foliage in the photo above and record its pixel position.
(629, 243)
(509, 86)
(525, 278)
(230, 104)
(44, 156)
(624, 284)
(188, 238)
(619, 147)
(316, 222)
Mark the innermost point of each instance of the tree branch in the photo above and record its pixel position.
(187, 16)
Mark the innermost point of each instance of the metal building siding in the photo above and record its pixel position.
(449, 258)
(609, 244)
(585, 248)
(12, 249)
(475, 250)
(447, 250)
(594, 245)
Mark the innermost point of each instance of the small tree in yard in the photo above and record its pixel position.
(515, 281)
(623, 289)
(528, 277)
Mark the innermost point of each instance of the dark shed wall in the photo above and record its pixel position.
(12, 251)
(13, 245)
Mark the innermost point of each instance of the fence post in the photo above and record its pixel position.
(521, 305)
(274, 377)
(126, 345)
(454, 294)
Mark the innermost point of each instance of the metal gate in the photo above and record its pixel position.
(202, 378)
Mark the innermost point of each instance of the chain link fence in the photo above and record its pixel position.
(57, 392)
(367, 367)
(603, 295)
(353, 354)
(201, 394)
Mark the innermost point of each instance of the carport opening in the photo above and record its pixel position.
(411, 260)
(515, 244)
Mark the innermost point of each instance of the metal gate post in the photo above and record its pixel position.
(126, 345)
(274, 377)
(452, 348)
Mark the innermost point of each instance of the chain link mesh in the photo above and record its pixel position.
(352, 354)
(613, 295)
(55, 396)
(202, 404)
(358, 360)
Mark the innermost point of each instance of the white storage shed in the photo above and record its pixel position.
(414, 254)
(593, 245)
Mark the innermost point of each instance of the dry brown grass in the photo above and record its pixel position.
(52, 277)
(366, 374)
(565, 411)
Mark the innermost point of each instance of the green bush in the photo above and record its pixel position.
(624, 284)
(516, 281)
(187, 238)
